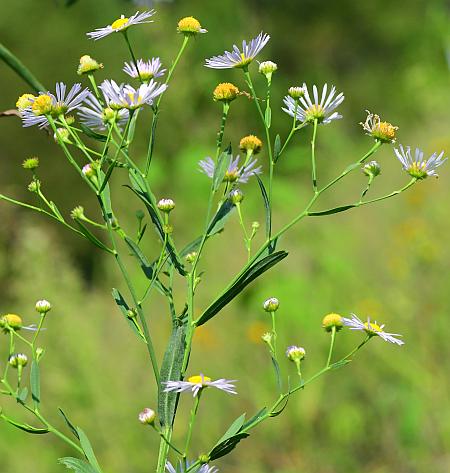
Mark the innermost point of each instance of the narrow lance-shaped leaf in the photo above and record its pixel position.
(251, 273)
(220, 168)
(276, 148)
(79, 466)
(125, 309)
(88, 450)
(25, 427)
(69, 424)
(332, 211)
(35, 382)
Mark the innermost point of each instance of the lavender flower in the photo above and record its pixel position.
(147, 69)
(180, 468)
(234, 173)
(308, 110)
(372, 329)
(94, 116)
(199, 382)
(418, 167)
(238, 58)
(121, 24)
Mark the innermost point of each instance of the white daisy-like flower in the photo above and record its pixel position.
(198, 382)
(145, 70)
(122, 24)
(126, 96)
(308, 110)
(96, 117)
(238, 58)
(372, 329)
(381, 131)
(234, 173)
(55, 105)
(181, 469)
(417, 166)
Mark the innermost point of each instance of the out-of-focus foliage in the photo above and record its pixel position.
(388, 411)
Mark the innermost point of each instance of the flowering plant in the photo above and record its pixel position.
(108, 115)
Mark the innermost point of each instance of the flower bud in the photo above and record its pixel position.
(43, 306)
(225, 92)
(88, 65)
(190, 257)
(34, 185)
(31, 163)
(62, 134)
(332, 320)
(255, 226)
(88, 170)
(267, 68)
(77, 213)
(140, 214)
(168, 229)
(250, 143)
(236, 196)
(296, 92)
(204, 459)
(295, 353)
(190, 26)
(267, 338)
(12, 321)
(132, 313)
(18, 360)
(271, 304)
(372, 169)
(147, 416)
(166, 205)
(39, 353)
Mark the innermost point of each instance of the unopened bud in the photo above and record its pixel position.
(147, 416)
(271, 304)
(18, 360)
(295, 353)
(43, 306)
(236, 196)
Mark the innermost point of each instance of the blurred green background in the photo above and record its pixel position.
(389, 410)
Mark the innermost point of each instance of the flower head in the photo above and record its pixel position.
(55, 105)
(122, 24)
(43, 306)
(372, 329)
(181, 468)
(372, 169)
(271, 304)
(31, 163)
(145, 70)
(95, 116)
(381, 131)
(238, 58)
(190, 26)
(295, 353)
(234, 173)
(307, 110)
(197, 383)
(88, 65)
(125, 96)
(332, 320)
(250, 143)
(24, 101)
(166, 205)
(225, 92)
(296, 92)
(418, 167)
(236, 196)
(267, 68)
(17, 360)
(147, 416)
(12, 321)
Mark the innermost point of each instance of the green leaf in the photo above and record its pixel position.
(276, 367)
(227, 446)
(218, 221)
(23, 394)
(80, 466)
(268, 117)
(251, 273)
(25, 427)
(138, 187)
(331, 211)
(267, 208)
(125, 308)
(91, 237)
(171, 371)
(35, 382)
(234, 428)
(339, 364)
(93, 134)
(88, 451)
(276, 148)
(69, 424)
(221, 168)
(19, 68)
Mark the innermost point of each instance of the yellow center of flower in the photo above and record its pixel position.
(189, 24)
(42, 105)
(24, 101)
(88, 64)
(250, 143)
(332, 320)
(418, 170)
(120, 23)
(244, 61)
(315, 112)
(372, 328)
(231, 176)
(225, 92)
(197, 379)
(13, 320)
(384, 131)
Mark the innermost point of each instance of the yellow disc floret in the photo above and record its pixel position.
(372, 328)
(418, 170)
(24, 101)
(315, 112)
(250, 144)
(13, 321)
(119, 23)
(384, 132)
(88, 65)
(42, 105)
(198, 379)
(225, 92)
(189, 25)
(332, 320)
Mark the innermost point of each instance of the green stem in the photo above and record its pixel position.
(191, 426)
(330, 353)
(313, 156)
(133, 57)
